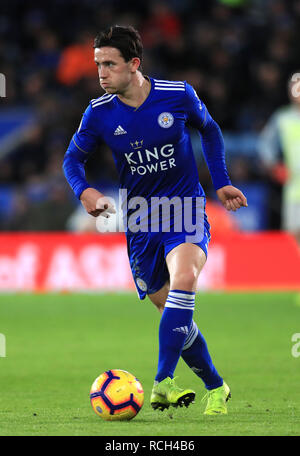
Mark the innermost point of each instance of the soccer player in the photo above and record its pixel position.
(145, 123)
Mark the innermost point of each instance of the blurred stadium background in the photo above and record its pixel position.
(237, 54)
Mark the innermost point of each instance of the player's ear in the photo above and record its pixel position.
(134, 64)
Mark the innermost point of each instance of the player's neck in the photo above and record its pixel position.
(137, 91)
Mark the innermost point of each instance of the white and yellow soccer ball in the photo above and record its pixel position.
(116, 395)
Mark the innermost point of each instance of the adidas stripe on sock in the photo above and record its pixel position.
(173, 330)
(196, 355)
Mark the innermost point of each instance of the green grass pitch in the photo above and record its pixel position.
(57, 344)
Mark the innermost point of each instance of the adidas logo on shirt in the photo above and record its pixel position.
(182, 329)
(120, 131)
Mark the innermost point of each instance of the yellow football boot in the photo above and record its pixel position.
(216, 400)
(166, 393)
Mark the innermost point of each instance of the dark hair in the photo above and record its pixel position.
(126, 39)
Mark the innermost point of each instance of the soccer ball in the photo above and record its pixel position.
(116, 395)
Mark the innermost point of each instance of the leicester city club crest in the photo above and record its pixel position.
(165, 120)
(141, 284)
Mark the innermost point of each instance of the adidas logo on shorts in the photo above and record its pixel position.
(120, 131)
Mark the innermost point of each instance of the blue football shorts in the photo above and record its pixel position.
(147, 253)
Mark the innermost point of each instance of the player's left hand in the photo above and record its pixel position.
(231, 198)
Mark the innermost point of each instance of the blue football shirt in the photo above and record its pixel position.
(151, 144)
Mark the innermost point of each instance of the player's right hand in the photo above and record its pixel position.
(95, 203)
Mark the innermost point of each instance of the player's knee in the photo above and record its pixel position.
(185, 280)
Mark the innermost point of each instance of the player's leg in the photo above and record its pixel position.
(159, 401)
(159, 298)
(185, 263)
(175, 322)
(166, 392)
(195, 352)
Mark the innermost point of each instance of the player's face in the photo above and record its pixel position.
(114, 73)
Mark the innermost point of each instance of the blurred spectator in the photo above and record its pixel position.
(280, 154)
(48, 53)
(77, 60)
(162, 26)
(49, 214)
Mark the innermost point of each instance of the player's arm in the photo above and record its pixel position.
(76, 156)
(214, 152)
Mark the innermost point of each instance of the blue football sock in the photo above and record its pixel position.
(195, 354)
(173, 330)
